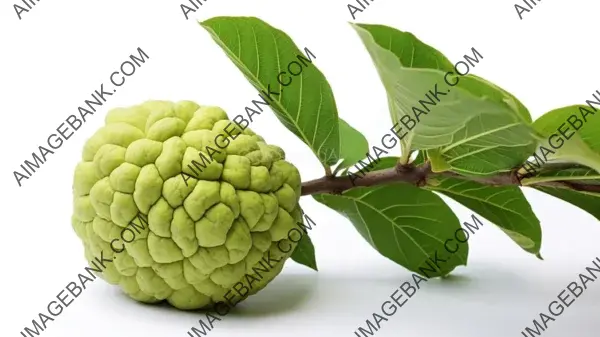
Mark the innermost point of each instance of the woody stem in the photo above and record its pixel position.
(420, 174)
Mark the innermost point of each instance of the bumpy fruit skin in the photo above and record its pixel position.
(201, 238)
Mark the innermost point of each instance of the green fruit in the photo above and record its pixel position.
(185, 202)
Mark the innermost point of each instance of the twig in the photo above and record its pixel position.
(418, 176)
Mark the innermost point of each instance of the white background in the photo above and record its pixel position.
(53, 59)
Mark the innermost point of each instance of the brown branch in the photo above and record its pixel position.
(418, 176)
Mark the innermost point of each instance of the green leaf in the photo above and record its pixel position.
(353, 145)
(389, 59)
(589, 124)
(504, 206)
(587, 201)
(306, 106)
(404, 223)
(553, 172)
(305, 253)
(582, 147)
(475, 83)
(479, 128)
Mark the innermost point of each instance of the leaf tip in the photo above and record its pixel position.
(356, 26)
(310, 264)
(204, 24)
(539, 256)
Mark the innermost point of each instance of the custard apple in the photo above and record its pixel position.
(185, 202)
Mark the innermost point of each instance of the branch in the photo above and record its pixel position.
(419, 176)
